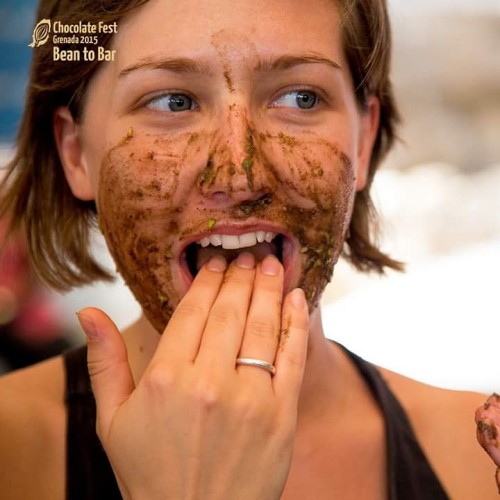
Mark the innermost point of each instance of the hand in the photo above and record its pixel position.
(198, 426)
(488, 430)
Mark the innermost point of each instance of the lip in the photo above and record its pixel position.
(291, 245)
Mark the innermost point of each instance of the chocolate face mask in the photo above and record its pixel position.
(166, 203)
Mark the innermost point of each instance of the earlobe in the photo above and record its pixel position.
(69, 147)
(370, 120)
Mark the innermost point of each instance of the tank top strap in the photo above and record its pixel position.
(89, 475)
(410, 475)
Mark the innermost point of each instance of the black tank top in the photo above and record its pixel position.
(89, 475)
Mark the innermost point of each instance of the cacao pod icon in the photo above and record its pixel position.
(40, 33)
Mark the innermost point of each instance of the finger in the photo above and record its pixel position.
(182, 336)
(487, 432)
(488, 427)
(109, 371)
(292, 350)
(264, 317)
(226, 322)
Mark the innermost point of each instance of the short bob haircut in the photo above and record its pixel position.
(37, 198)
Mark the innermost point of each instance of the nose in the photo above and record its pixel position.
(235, 170)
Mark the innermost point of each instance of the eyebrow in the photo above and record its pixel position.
(177, 65)
(187, 65)
(285, 62)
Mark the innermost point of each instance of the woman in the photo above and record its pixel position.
(228, 151)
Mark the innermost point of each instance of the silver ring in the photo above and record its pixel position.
(258, 363)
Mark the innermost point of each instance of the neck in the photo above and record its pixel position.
(324, 382)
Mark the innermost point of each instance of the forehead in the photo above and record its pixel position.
(236, 29)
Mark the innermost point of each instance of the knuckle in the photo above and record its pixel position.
(223, 315)
(262, 328)
(205, 396)
(270, 290)
(235, 276)
(99, 367)
(159, 378)
(189, 309)
(96, 367)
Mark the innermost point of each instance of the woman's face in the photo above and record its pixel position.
(223, 126)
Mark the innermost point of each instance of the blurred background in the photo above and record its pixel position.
(438, 194)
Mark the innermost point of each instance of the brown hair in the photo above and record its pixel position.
(34, 190)
(367, 44)
(58, 225)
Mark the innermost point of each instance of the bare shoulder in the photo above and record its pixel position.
(32, 432)
(443, 421)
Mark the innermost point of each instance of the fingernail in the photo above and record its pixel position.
(217, 263)
(88, 325)
(298, 299)
(245, 260)
(270, 266)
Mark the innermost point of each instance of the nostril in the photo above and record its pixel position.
(220, 196)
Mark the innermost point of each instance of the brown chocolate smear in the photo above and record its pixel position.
(153, 193)
(141, 210)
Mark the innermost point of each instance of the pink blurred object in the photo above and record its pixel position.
(26, 311)
(37, 321)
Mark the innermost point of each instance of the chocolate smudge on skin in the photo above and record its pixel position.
(208, 174)
(283, 337)
(251, 206)
(227, 159)
(248, 161)
(223, 42)
(228, 78)
(489, 430)
(141, 202)
(330, 199)
(139, 218)
(331, 211)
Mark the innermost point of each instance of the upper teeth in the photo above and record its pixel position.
(232, 241)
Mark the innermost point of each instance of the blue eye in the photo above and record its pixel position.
(301, 99)
(171, 103)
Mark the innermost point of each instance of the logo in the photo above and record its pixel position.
(79, 41)
(41, 33)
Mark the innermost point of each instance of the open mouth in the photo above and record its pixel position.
(259, 243)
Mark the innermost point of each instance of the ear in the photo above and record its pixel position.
(69, 146)
(370, 120)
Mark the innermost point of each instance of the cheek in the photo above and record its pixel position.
(321, 177)
(138, 216)
(315, 170)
